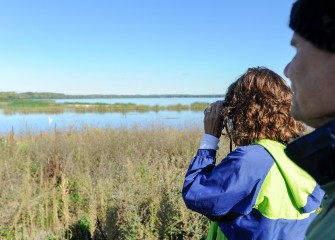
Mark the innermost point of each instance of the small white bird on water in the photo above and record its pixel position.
(50, 119)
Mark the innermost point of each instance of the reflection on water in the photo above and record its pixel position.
(23, 123)
(141, 101)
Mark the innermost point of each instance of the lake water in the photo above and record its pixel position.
(23, 123)
(140, 101)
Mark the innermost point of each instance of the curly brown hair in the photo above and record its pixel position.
(257, 106)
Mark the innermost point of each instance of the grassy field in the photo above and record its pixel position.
(98, 184)
(50, 106)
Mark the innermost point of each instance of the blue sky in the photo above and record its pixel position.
(139, 46)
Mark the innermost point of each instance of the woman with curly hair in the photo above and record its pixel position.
(256, 191)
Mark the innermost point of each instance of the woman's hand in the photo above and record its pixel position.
(213, 120)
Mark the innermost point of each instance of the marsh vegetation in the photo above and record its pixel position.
(98, 184)
(26, 106)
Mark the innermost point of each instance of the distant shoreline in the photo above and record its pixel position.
(50, 95)
(26, 106)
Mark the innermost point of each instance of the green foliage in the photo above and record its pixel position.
(81, 230)
(9, 95)
(30, 103)
(30, 106)
(50, 237)
(74, 192)
(50, 95)
(199, 105)
(41, 95)
(31, 95)
(44, 106)
(6, 233)
(84, 224)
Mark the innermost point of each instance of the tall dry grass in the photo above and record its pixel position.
(98, 184)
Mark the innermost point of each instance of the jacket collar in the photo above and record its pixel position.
(315, 152)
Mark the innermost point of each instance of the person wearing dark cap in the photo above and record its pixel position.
(312, 73)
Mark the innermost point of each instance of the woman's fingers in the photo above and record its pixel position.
(213, 121)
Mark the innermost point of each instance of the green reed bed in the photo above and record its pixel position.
(98, 184)
(50, 106)
(30, 106)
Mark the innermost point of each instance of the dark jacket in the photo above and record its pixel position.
(315, 153)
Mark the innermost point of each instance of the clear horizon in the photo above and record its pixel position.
(139, 47)
(90, 94)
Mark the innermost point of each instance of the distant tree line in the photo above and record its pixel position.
(31, 95)
(49, 95)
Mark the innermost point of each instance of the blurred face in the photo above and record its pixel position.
(312, 73)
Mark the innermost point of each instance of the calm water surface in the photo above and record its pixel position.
(140, 101)
(23, 123)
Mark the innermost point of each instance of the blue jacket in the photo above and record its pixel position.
(252, 195)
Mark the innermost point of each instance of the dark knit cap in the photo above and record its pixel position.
(314, 20)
